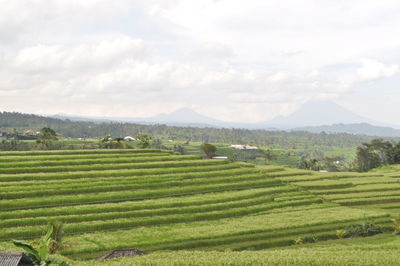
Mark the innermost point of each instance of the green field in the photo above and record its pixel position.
(181, 208)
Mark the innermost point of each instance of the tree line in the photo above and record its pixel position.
(377, 153)
(270, 138)
(369, 155)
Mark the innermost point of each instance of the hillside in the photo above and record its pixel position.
(157, 201)
(309, 114)
(272, 138)
(317, 113)
(361, 128)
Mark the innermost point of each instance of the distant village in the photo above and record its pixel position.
(26, 135)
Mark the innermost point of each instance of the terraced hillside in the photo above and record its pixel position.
(156, 200)
(378, 189)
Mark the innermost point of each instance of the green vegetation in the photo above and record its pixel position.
(46, 138)
(159, 201)
(45, 246)
(377, 153)
(288, 147)
(208, 149)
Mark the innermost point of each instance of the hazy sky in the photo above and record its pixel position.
(231, 59)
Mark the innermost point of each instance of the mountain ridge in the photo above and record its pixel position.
(310, 114)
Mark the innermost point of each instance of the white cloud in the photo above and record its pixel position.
(46, 58)
(374, 70)
(233, 60)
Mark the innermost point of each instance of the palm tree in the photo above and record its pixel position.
(40, 255)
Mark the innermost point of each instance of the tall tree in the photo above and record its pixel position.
(46, 138)
(208, 149)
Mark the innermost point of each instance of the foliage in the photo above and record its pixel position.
(40, 255)
(305, 240)
(45, 139)
(362, 230)
(268, 156)
(156, 200)
(378, 152)
(281, 139)
(108, 142)
(179, 148)
(341, 233)
(143, 141)
(396, 226)
(309, 164)
(157, 144)
(330, 164)
(57, 233)
(208, 149)
(13, 145)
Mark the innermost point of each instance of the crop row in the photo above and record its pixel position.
(368, 201)
(268, 239)
(89, 182)
(277, 219)
(203, 166)
(239, 240)
(54, 169)
(147, 184)
(362, 195)
(286, 174)
(327, 176)
(79, 152)
(301, 256)
(66, 162)
(154, 183)
(12, 159)
(356, 189)
(137, 213)
(6, 233)
(169, 202)
(324, 184)
(129, 195)
(372, 180)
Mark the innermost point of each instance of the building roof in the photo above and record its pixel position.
(243, 147)
(14, 259)
(121, 253)
(220, 157)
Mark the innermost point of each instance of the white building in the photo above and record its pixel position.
(243, 147)
(129, 138)
(220, 157)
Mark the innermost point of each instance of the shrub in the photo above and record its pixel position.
(143, 141)
(57, 233)
(305, 240)
(208, 149)
(396, 226)
(341, 233)
(362, 230)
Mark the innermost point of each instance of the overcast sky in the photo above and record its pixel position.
(233, 60)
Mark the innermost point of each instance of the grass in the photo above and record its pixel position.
(157, 201)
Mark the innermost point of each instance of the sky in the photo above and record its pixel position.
(233, 60)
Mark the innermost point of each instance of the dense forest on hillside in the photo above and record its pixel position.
(10, 121)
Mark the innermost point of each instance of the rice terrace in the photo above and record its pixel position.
(199, 133)
(181, 209)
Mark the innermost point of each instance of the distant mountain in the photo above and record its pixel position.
(180, 117)
(314, 116)
(184, 116)
(361, 129)
(317, 113)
